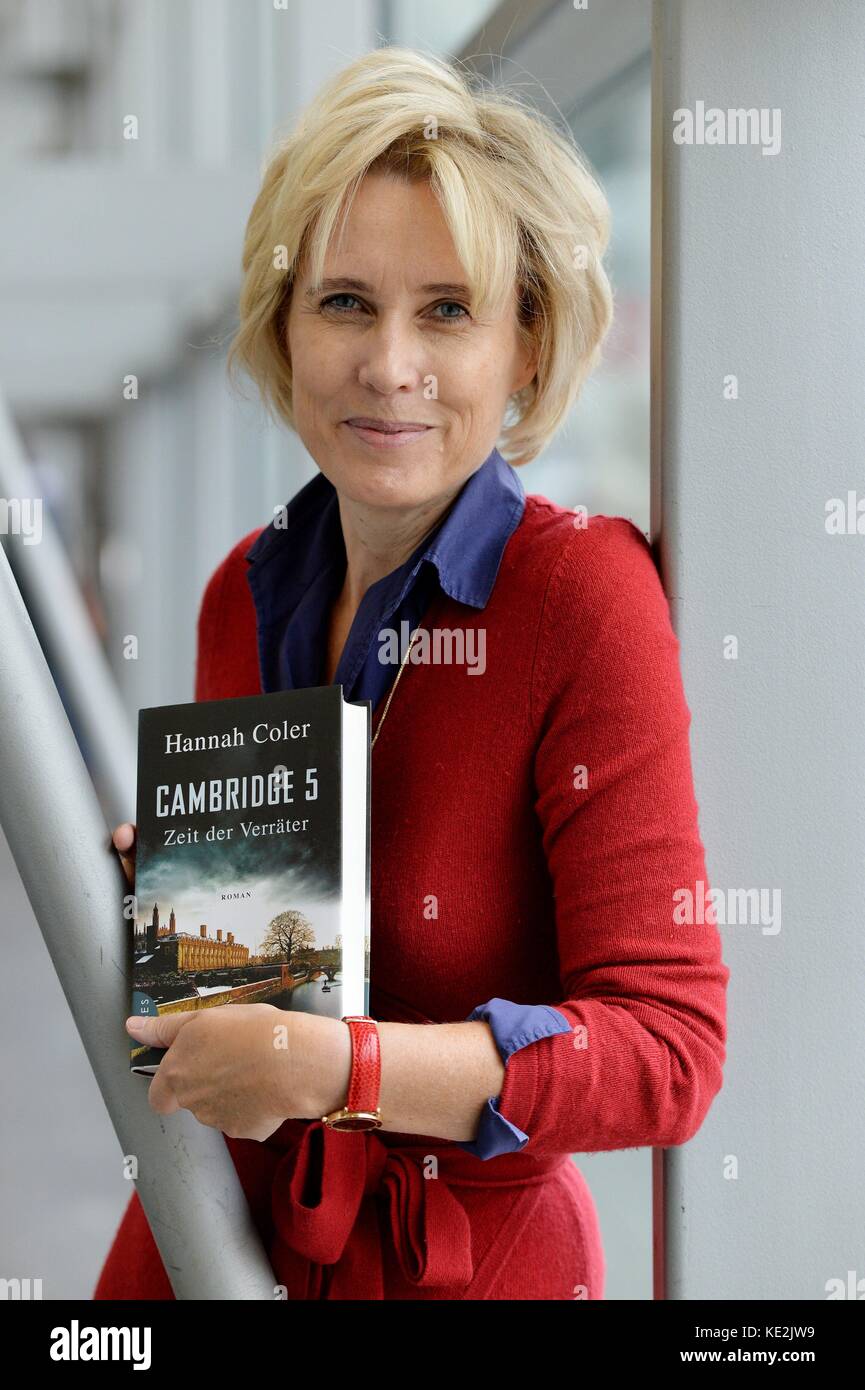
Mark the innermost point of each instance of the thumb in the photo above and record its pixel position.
(161, 1030)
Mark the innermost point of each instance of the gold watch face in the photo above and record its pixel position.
(356, 1119)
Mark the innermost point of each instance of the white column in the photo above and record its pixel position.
(758, 422)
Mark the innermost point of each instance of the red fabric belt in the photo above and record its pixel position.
(328, 1191)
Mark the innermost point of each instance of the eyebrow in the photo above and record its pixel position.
(344, 283)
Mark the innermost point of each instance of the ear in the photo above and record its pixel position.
(527, 371)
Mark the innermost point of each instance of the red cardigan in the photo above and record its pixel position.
(547, 810)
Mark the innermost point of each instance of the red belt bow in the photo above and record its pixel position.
(325, 1200)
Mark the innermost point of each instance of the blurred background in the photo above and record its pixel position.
(132, 137)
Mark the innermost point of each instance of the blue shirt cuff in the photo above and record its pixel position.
(513, 1026)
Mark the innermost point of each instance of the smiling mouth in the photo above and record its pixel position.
(363, 422)
(387, 434)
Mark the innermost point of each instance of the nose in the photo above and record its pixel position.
(391, 357)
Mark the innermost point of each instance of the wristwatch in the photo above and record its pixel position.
(361, 1108)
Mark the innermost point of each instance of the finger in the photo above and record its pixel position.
(124, 837)
(123, 840)
(161, 1030)
(161, 1096)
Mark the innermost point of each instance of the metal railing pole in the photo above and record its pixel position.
(50, 814)
(56, 602)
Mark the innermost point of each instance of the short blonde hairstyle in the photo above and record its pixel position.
(517, 195)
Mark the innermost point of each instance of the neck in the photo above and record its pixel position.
(377, 542)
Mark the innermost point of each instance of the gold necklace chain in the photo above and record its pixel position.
(394, 686)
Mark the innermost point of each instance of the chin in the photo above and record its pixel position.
(389, 481)
(388, 492)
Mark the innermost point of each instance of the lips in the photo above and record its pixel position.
(386, 426)
(385, 436)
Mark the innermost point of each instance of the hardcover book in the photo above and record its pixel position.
(252, 874)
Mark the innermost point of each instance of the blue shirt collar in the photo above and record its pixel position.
(466, 548)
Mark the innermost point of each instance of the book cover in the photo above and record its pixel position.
(252, 875)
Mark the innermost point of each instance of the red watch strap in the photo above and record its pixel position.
(365, 1083)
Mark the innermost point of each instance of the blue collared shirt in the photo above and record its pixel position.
(297, 568)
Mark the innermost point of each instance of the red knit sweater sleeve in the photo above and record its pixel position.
(226, 662)
(643, 983)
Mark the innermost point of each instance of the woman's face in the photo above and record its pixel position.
(389, 338)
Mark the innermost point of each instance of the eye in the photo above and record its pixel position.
(330, 302)
(452, 304)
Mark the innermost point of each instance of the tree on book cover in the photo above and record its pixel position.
(252, 864)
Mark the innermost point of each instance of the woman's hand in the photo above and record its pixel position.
(241, 1068)
(244, 1068)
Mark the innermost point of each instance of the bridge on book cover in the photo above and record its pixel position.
(205, 988)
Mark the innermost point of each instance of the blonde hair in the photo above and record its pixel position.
(521, 205)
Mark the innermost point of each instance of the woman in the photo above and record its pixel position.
(423, 282)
